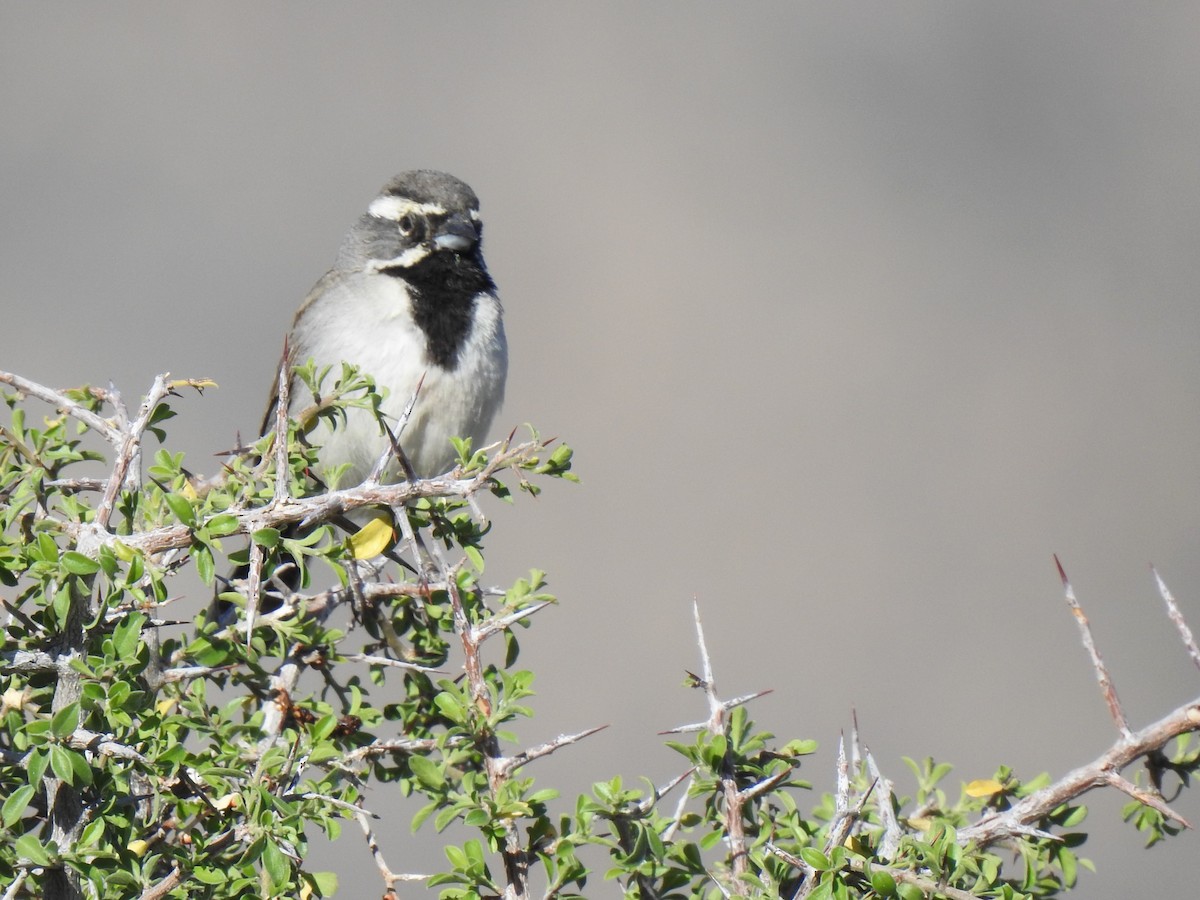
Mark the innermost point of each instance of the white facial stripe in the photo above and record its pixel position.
(394, 208)
(409, 257)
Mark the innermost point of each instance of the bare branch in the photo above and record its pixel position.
(889, 845)
(14, 889)
(372, 660)
(186, 673)
(744, 699)
(502, 623)
(1107, 688)
(1146, 798)
(1017, 819)
(389, 877)
(677, 816)
(761, 787)
(326, 506)
(735, 831)
(164, 887)
(355, 758)
(716, 719)
(58, 400)
(283, 471)
(124, 470)
(660, 792)
(392, 449)
(82, 739)
(511, 764)
(1177, 618)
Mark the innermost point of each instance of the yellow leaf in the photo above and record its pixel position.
(371, 540)
(983, 787)
(167, 706)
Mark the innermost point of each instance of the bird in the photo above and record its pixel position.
(408, 301)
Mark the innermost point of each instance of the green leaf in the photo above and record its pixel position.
(205, 567)
(62, 604)
(450, 706)
(46, 548)
(80, 770)
(30, 848)
(1066, 859)
(424, 813)
(209, 875)
(456, 856)
(78, 564)
(60, 762)
(181, 507)
(799, 748)
(426, 772)
(883, 883)
(126, 634)
(275, 863)
(219, 526)
(36, 766)
(266, 537)
(65, 721)
(1074, 817)
(815, 858)
(474, 556)
(477, 818)
(91, 834)
(14, 805)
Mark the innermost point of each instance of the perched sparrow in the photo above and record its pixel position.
(409, 301)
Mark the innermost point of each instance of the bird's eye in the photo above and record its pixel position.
(407, 224)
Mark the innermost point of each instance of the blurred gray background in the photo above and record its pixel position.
(855, 314)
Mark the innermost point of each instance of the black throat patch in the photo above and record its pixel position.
(443, 287)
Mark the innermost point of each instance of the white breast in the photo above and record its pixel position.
(366, 320)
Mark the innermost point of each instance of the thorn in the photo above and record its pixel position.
(1107, 688)
(1061, 574)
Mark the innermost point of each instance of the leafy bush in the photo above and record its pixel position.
(146, 756)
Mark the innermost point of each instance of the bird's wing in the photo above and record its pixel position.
(293, 351)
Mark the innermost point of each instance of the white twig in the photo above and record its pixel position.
(372, 660)
(501, 623)
(389, 877)
(1177, 618)
(283, 471)
(889, 845)
(125, 466)
(14, 889)
(510, 764)
(1146, 798)
(58, 400)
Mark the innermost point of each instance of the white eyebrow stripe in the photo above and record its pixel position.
(394, 208)
(409, 257)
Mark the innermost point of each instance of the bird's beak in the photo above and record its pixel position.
(457, 233)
